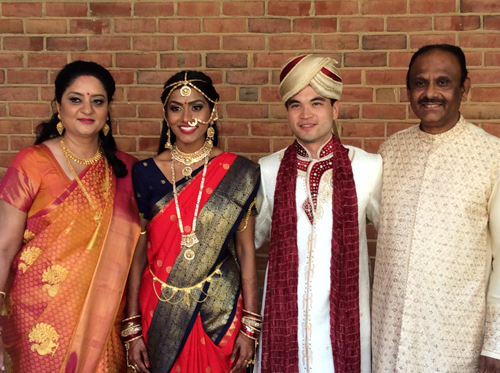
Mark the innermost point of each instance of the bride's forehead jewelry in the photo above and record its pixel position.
(186, 85)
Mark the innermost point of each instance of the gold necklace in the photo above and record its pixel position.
(188, 240)
(188, 159)
(98, 214)
(69, 154)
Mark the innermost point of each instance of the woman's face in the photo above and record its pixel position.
(84, 107)
(183, 109)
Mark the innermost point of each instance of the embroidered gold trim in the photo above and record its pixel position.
(55, 276)
(29, 256)
(45, 338)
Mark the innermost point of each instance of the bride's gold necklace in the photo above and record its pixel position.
(84, 161)
(187, 159)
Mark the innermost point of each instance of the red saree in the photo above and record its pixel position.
(65, 292)
(193, 332)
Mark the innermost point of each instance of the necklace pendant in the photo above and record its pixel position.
(187, 171)
(189, 240)
(189, 254)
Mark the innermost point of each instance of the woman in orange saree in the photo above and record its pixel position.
(68, 227)
(193, 274)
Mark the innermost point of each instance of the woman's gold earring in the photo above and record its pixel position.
(168, 145)
(60, 127)
(105, 130)
(210, 135)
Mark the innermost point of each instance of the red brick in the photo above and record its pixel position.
(371, 42)
(224, 25)
(243, 8)
(26, 77)
(197, 43)
(22, 9)
(123, 77)
(271, 59)
(289, 8)
(384, 7)
(491, 22)
(271, 129)
(483, 6)
(315, 25)
(246, 110)
(140, 128)
(23, 44)
(477, 111)
(484, 76)
(25, 110)
(372, 146)
(409, 24)
(123, 110)
(179, 26)
(226, 60)
(6, 159)
(243, 42)
(153, 77)
(153, 43)
(492, 58)
(479, 40)
(381, 111)
(19, 142)
(233, 128)
(103, 59)
(145, 94)
(66, 44)
(109, 43)
(135, 26)
(66, 9)
(290, 42)
(150, 111)
(14, 127)
(393, 127)
(270, 94)
(400, 59)
(349, 111)
(89, 26)
(324, 8)
(386, 77)
(247, 77)
(226, 93)
(46, 26)
(125, 144)
(279, 144)
(386, 95)
(11, 26)
(11, 60)
(474, 58)
(18, 94)
(358, 143)
(352, 94)
(492, 128)
(371, 59)
(47, 60)
(278, 111)
(154, 9)
(269, 25)
(485, 94)
(215, 75)
(350, 76)
(457, 23)
(357, 24)
(110, 10)
(201, 9)
(136, 60)
(180, 60)
(432, 6)
(2, 77)
(362, 129)
(336, 42)
(4, 145)
(418, 41)
(249, 145)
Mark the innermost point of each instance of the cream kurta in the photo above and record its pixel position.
(314, 246)
(439, 232)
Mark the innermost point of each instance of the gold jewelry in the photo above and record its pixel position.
(105, 130)
(69, 154)
(187, 290)
(188, 240)
(2, 293)
(188, 159)
(168, 144)
(143, 232)
(252, 313)
(59, 126)
(98, 214)
(210, 135)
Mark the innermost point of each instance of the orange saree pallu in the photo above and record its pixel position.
(66, 284)
(190, 296)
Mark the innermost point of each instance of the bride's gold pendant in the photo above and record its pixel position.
(189, 240)
(189, 254)
(187, 171)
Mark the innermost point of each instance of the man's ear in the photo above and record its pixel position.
(336, 109)
(465, 89)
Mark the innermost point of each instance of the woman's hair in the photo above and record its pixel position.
(66, 77)
(204, 83)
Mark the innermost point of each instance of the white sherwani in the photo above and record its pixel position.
(314, 250)
(439, 233)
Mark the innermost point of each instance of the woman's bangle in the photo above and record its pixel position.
(251, 314)
(144, 232)
(131, 318)
(2, 293)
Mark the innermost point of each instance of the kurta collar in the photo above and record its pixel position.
(449, 135)
(326, 151)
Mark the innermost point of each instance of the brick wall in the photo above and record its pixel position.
(241, 45)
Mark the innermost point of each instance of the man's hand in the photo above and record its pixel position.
(489, 365)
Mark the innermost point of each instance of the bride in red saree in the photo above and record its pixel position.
(193, 275)
(68, 227)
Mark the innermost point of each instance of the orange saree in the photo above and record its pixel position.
(65, 293)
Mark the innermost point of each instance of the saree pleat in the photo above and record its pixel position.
(230, 186)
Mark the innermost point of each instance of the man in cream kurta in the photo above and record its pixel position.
(437, 285)
(314, 236)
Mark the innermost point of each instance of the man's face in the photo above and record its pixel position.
(435, 92)
(310, 116)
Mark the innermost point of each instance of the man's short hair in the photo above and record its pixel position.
(453, 49)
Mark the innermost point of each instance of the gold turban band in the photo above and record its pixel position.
(318, 72)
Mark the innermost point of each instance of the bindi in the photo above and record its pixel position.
(88, 94)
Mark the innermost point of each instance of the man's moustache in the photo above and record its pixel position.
(426, 100)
